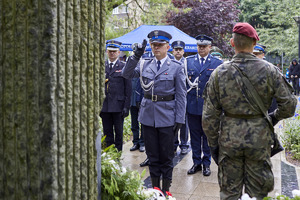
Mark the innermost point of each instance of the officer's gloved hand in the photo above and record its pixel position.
(215, 154)
(274, 120)
(125, 112)
(139, 49)
(176, 127)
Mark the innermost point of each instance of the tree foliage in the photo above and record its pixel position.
(139, 12)
(274, 23)
(214, 18)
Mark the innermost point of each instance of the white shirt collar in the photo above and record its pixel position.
(162, 61)
(203, 60)
(112, 62)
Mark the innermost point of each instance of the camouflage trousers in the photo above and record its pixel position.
(249, 169)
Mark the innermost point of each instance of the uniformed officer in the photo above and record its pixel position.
(238, 133)
(150, 54)
(117, 101)
(217, 52)
(178, 51)
(259, 51)
(162, 109)
(136, 96)
(199, 69)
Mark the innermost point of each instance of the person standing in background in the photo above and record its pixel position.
(199, 69)
(117, 97)
(178, 51)
(294, 73)
(136, 98)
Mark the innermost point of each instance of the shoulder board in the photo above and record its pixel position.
(123, 62)
(192, 56)
(147, 59)
(216, 57)
(175, 61)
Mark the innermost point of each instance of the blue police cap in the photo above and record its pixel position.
(178, 44)
(159, 36)
(203, 40)
(113, 45)
(259, 48)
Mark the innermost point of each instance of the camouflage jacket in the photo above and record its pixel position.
(224, 96)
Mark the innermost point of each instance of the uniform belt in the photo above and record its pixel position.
(241, 116)
(159, 98)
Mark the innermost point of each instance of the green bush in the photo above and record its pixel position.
(282, 197)
(291, 135)
(117, 182)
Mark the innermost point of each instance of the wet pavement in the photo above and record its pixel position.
(199, 187)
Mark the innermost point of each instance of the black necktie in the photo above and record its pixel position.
(201, 64)
(110, 67)
(158, 65)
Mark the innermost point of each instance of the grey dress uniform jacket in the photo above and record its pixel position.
(169, 80)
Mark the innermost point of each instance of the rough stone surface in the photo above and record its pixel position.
(51, 89)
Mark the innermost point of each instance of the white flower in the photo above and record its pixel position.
(112, 162)
(124, 170)
(296, 193)
(246, 197)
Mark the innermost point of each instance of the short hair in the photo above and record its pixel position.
(242, 41)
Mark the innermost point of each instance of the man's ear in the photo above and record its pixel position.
(231, 42)
(168, 47)
(254, 42)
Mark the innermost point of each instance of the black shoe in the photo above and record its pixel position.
(145, 163)
(184, 151)
(206, 170)
(195, 168)
(142, 148)
(134, 147)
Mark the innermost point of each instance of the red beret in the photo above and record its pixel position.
(245, 29)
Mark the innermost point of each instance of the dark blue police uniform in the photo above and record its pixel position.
(136, 98)
(116, 102)
(199, 75)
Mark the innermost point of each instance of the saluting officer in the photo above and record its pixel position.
(118, 93)
(199, 69)
(178, 51)
(162, 109)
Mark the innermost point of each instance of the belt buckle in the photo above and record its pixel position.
(154, 97)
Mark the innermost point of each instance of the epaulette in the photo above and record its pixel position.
(191, 56)
(147, 58)
(175, 61)
(123, 62)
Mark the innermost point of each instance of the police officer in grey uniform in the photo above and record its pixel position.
(162, 110)
(178, 51)
(118, 93)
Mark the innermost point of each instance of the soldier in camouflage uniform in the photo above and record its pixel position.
(238, 134)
